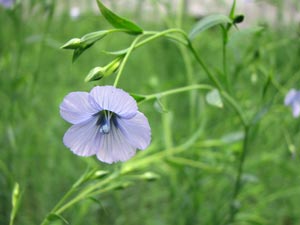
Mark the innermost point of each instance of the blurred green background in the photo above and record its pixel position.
(195, 187)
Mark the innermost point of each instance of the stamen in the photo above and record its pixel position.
(104, 121)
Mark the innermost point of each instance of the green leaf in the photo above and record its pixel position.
(232, 11)
(213, 98)
(138, 97)
(117, 21)
(208, 22)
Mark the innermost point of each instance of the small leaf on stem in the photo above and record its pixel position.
(117, 21)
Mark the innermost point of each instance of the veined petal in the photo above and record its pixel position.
(83, 139)
(115, 100)
(136, 130)
(76, 107)
(114, 147)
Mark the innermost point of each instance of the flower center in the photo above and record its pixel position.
(104, 121)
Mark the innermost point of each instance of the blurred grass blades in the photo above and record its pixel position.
(119, 22)
(193, 163)
(54, 217)
(15, 200)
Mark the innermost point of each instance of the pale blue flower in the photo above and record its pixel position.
(6, 3)
(293, 99)
(106, 123)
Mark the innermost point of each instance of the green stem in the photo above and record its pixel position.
(132, 46)
(238, 181)
(176, 91)
(224, 56)
(190, 81)
(230, 100)
(202, 64)
(156, 35)
(86, 192)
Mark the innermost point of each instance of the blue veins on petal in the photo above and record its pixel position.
(114, 100)
(76, 107)
(106, 123)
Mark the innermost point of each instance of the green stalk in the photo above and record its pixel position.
(238, 180)
(132, 46)
(176, 91)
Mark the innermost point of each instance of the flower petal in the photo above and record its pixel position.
(136, 130)
(83, 139)
(76, 107)
(114, 147)
(296, 109)
(115, 100)
(290, 97)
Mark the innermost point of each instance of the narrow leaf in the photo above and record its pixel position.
(208, 22)
(232, 11)
(117, 21)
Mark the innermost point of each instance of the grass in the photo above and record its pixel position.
(196, 185)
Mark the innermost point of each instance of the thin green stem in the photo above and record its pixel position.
(61, 205)
(125, 59)
(224, 56)
(204, 67)
(236, 107)
(86, 192)
(156, 35)
(230, 100)
(238, 180)
(190, 80)
(175, 91)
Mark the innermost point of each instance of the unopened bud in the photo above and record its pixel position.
(72, 44)
(238, 19)
(95, 74)
(99, 72)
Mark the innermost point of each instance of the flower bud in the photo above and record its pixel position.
(74, 43)
(95, 74)
(98, 72)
